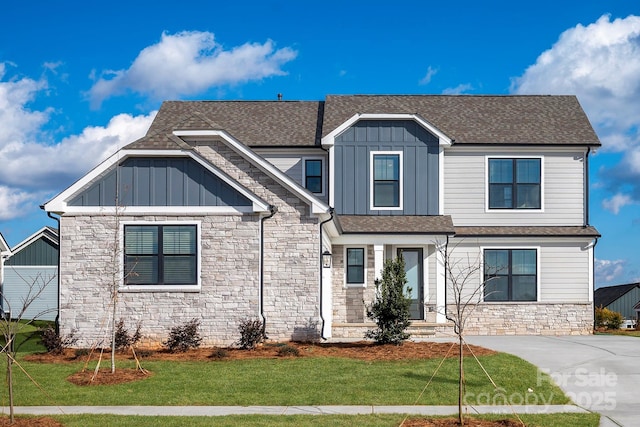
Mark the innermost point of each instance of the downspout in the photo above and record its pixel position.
(57, 321)
(272, 210)
(593, 269)
(331, 212)
(586, 215)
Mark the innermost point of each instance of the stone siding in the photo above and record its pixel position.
(349, 301)
(230, 259)
(498, 319)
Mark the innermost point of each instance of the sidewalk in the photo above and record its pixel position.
(214, 411)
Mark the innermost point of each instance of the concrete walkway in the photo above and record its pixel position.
(600, 373)
(287, 410)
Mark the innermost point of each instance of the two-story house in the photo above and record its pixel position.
(285, 211)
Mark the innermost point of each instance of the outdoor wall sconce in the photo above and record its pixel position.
(326, 259)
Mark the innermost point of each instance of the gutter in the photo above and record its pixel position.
(273, 211)
(57, 219)
(322, 320)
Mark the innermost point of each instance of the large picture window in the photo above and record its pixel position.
(386, 185)
(355, 270)
(160, 254)
(510, 274)
(515, 184)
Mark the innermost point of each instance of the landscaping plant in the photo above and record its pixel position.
(184, 337)
(390, 310)
(251, 333)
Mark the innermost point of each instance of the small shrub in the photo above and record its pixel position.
(251, 333)
(608, 319)
(56, 343)
(144, 353)
(219, 353)
(124, 339)
(81, 352)
(288, 351)
(184, 337)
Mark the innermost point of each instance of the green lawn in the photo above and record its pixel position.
(383, 420)
(293, 381)
(626, 332)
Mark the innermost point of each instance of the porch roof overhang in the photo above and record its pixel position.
(395, 224)
(527, 231)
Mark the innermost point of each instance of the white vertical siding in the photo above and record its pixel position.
(465, 183)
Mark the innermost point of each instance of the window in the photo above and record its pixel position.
(160, 254)
(313, 175)
(510, 274)
(514, 184)
(386, 186)
(355, 270)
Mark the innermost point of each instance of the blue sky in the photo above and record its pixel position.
(78, 81)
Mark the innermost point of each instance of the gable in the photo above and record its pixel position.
(418, 151)
(151, 181)
(38, 253)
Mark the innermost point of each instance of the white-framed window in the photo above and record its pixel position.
(386, 180)
(313, 174)
(514, 183)
(161, 256)
(355, 266)
(511, 274)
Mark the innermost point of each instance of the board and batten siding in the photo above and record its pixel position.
(161, 182)
(465, 188)
(625, 303)
(563, 266)
(420, 166)
(39, 252)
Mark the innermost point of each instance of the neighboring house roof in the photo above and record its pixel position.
(4, 246)
(526, 231)
(605, 296)
(484, 119)
(395, 224)
(45, 232)
(466, 119)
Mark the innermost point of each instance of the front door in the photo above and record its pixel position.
(413, 266)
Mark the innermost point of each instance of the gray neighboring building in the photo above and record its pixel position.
(620, 298)
(32, 268)
(287, 210)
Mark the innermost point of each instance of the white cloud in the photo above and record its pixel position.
(617, 202)
(33, 164)
(15, 203)
(600, 64)
(188, 63)
(427, 77)
(458, 90)
(607, 271)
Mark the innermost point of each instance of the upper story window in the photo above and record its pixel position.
(386, 180)
(355, 266)
(515, 183)
(313, 175)
(510, 274)
(160, 255)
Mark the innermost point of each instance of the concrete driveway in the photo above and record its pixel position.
(601, 373)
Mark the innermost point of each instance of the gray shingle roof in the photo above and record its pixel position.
(485, 119)
(395, 224)
(467, 119)
(548, 231)
(254, 123)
